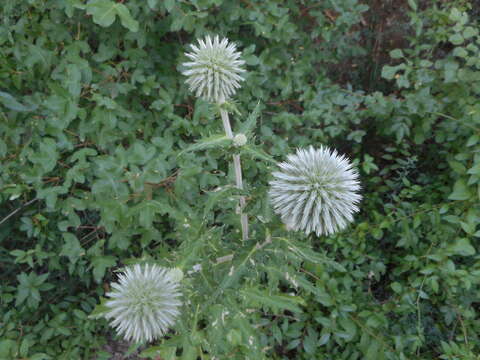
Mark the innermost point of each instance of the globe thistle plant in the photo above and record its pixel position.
(213, 72)
(144, 302)
(315, 191)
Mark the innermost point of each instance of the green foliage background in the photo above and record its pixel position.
(94, 115)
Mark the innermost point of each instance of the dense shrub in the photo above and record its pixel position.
(94, 118)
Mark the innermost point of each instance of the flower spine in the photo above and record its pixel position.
(213, 72)
(144, 302)
(315, 191)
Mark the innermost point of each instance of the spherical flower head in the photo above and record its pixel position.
(213, 72)
(144, 302)
(315, 191)
(239, 140)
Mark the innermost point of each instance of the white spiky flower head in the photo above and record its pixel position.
(144, 302)
(315, 191)
(214, 70)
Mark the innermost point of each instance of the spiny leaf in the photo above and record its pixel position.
(248, 126)
(257, 153)
(285, 302)
(215, 141)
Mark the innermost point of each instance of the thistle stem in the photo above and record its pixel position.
(238, 174)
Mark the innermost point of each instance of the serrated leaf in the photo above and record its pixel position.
(100, 264)
(71, 248)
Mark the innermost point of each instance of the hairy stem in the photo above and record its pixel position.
(238, 174)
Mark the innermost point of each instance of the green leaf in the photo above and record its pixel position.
(310, 255)
(105, 11)
(73, 80)
(248, 126)
(71, 248)
(396, 54)
(463, 247)
(275, 302)
(47, 155)
(456, 39)
(152, 4)
(257, 153)
(99, 310)
(413, 5)
(215, 196)
(212, 142)
(469, 32)
(169, 5)
(100, 265)
(11, 103)
(389, 72)
(6, 348)
(147, 210)
(475, 169)
(460, 191)
(126, 19)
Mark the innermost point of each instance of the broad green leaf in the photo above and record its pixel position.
(456, 39)
(105, 11)
(11, 103)
(460, 191)
(463, 247)
(396, 54)
(125, 18)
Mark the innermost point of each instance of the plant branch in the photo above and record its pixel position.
(238, 174)
(17, 210)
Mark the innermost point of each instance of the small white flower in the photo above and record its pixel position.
(144, 302)
(315, 191)
(214, 70)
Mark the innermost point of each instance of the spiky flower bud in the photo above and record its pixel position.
(144, 302)
(239, 140)
(315, 191)
(214, 70)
